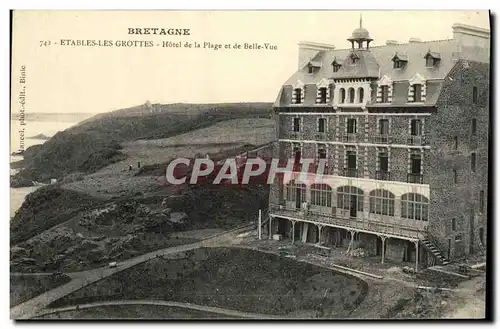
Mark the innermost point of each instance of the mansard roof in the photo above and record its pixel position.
(366, 66)
(383, 55)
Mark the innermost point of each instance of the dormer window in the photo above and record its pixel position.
(354, 59)
(417, 92)
(297, 96)
(384, 90)
(313, 67)
(399, 61)
(417, 89)
(432, 59)
(336, 66)
(298, 93)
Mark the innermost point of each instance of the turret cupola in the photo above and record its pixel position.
(361, 36)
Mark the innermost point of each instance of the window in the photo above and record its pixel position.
(481, 201)
(361, 93)
(321, 151)
(354, 59)
(382, 202)
(415, 163)
(473, 162)
(454, 176)
(414, 206)
(458, 237)
(351, 95)
(351, 126)
(336, 67)
(383, 159)
(474, 95)
(398, 64)
(322, 95)
(322, 125)
(429, 61)
(310, 69)
(294, 190)
(385, 94)
(415, 127)
(417, 92)
(321, 195)
(383, 125)
(350, 195)
(297, 99)
(455, 143)
(453, 224)
(297, 152)
(474, 127)
(342, 95)
(296, 124)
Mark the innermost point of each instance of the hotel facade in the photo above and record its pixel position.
(404, 130)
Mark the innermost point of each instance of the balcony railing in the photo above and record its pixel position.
(381, 139)
(349, 222)
(382, 175)
(350, 138)
(416, 140)
(296, 135)
(350, 172)
(415, 178)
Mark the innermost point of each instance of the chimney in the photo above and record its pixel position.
(471, 36)
(308, 50)
(391, 42)
(415, 40)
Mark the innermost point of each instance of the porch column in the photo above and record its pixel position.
(383, 247)
(270, 227)
(293, 231)
(416, 256)
(352, 240)
(319, 233)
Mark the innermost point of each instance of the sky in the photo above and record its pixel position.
(66, 79)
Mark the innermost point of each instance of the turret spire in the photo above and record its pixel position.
(360, 21)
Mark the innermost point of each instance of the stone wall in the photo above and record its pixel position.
(460, 200)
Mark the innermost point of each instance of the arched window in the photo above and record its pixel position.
(350, 195)
(351, 95)
(414, 206)
(293, 188)
(342, 95)
(382, 202)
(321, 195)
(361, 93)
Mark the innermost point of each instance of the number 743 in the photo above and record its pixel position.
(44, 43)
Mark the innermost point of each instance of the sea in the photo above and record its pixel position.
(31, 128)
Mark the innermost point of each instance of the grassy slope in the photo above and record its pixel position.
(232, 278)
(23, 288)
(95, 142)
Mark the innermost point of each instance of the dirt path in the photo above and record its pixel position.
(33, 306)
(218, 310)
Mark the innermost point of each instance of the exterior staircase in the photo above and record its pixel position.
(435, 251)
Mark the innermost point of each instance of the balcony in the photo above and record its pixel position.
(381, 139)
(364, 225)
(415, 178)
(350, 138)
(416, 140)
(382, 175)
(350, 172)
